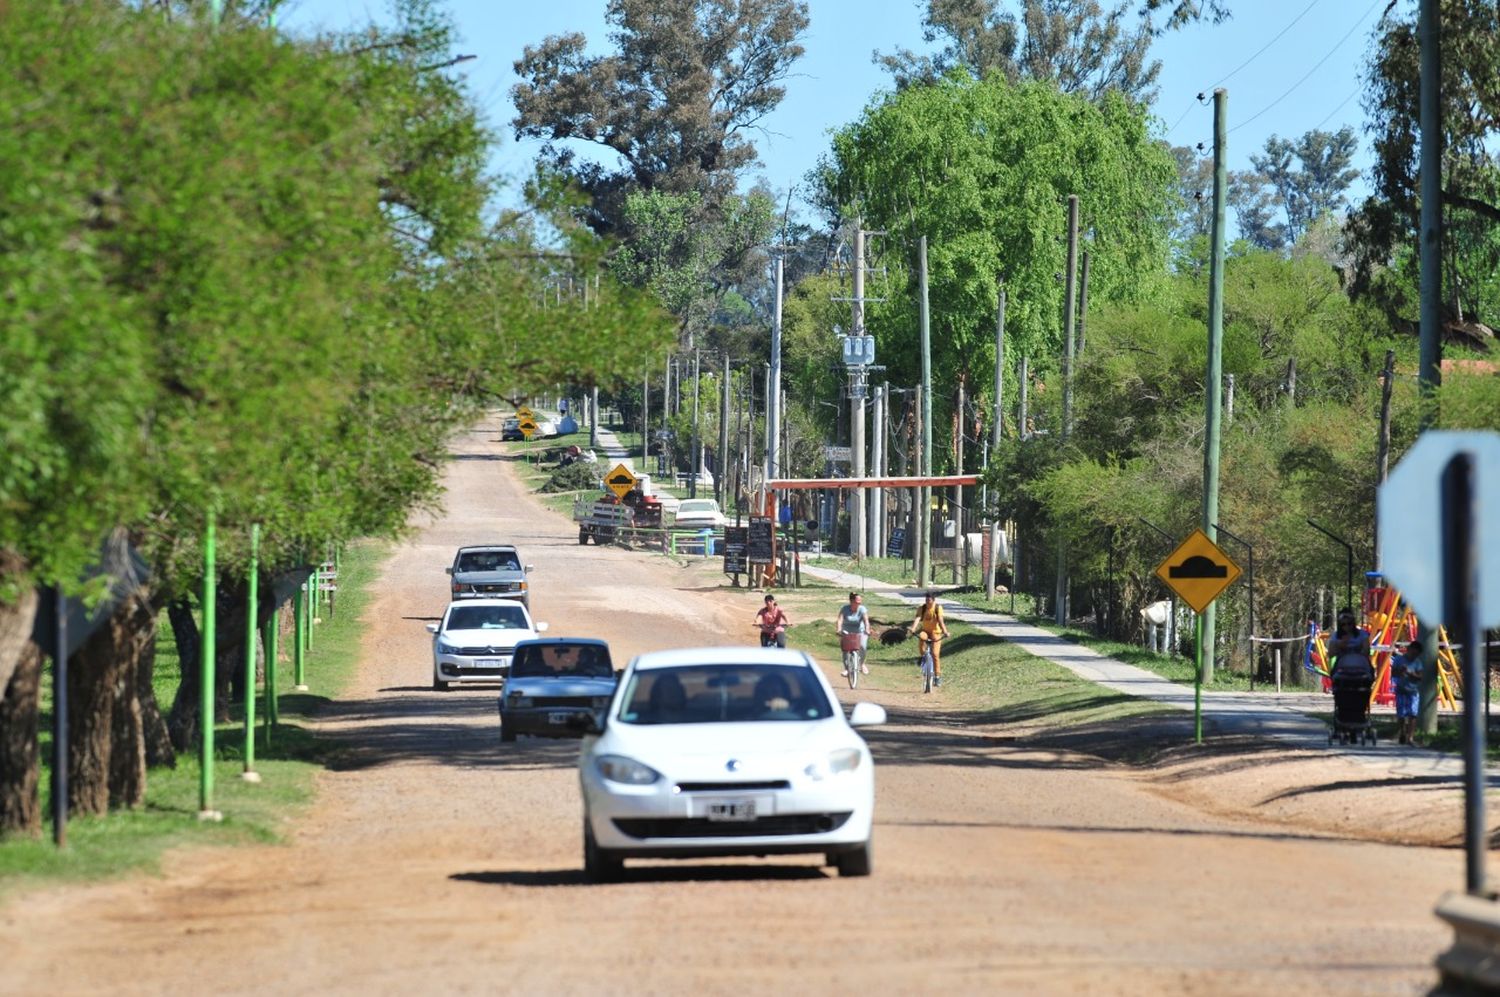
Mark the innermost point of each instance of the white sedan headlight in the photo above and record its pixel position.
(627, 771)
(837, 763)
(446, 648)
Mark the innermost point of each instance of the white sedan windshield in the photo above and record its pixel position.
(696, 694)
(487, 618)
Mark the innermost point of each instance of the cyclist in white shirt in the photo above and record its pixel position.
(854, 618)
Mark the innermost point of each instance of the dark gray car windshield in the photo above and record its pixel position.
(487, 618)
(488, 560)
(704, 694)
(562, 661)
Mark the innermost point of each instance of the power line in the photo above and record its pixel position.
(1337, 109)
(1316, 66)
(1261, 51)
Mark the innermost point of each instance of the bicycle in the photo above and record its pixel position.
(851, 646)
(925, 663)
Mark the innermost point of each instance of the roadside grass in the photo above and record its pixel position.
(986, 679)
(892, 570)
(287, 760)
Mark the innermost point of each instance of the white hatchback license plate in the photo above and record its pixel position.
(732, 810)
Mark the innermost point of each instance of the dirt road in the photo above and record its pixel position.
(437, 860)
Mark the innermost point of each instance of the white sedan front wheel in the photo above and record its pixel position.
(600, 865)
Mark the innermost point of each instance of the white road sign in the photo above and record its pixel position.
(1409, 514)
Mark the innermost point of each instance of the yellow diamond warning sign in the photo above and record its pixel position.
(524, 413)
(620, 480)
(1198, 571)
(527, 426)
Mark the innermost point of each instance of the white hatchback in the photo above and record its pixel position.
(476, 639)
(727, 751)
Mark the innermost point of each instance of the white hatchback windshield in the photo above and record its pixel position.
(487, 618)
(698, 694)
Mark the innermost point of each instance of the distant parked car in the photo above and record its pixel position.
(476, 639)
(553, 683)
(699, 513)
(510, 429)
(489, 571)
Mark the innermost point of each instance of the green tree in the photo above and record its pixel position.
(1075, 44)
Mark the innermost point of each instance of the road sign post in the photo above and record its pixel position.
(1199, 572)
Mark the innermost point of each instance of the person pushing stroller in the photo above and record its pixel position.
(1352, 675)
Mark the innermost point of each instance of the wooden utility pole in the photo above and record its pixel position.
(924, 495)
(1213, 385)
(857, 406)
(1060, 596)
(1383, 441)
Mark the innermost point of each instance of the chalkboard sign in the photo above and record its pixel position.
(735, 540)
(897, 545)
(762, 548)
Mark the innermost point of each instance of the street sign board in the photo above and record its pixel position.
(838, 453)
(1198, 571)
(896, 546)
(1408, 513)
(620, 480)
(761, 548)
(524, 413)
(527, 426)
(735, 540)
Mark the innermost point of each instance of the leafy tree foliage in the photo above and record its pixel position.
(1075, 44)
(983, 169)
(670, 107)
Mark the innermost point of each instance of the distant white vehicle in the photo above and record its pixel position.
(476, 638)
(699, 513)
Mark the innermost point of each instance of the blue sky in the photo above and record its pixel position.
(1308, 77)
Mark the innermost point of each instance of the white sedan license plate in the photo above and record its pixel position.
(490, 663)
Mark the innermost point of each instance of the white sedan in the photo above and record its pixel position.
(698, 514)
(727, 751)
(476, 638)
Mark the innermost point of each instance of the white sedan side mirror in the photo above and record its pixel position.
(541, 628)
(432, 628)
(866, 715)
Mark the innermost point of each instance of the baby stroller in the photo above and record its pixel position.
(1351, 709)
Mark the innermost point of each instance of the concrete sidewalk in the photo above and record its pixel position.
(1280, 716)
(610, 447)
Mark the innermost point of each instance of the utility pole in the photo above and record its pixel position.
(646, 425)
(857, 406)
(695, 447)
(924, 494)
(875, 546)
(773, 412)
(1024, 429)
(1060, 596)
(1083, 305)
(1430, 315)
(1212, 385)
(997, 421)
(721, 488)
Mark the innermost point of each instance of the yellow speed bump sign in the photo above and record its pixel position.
(527, 426)
(1198, 571)
(524, 413)
(620, 481)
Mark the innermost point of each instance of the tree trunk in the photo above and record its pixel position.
(182, 722)
(135, 627)
(101, 674)
(154, 731)
(20, 804)
(229, 647)
(15, 620)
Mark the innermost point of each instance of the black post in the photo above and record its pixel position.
(1349, 568)
(60, 721)
(1250, 548)
(1460, 562)
(1172, 620)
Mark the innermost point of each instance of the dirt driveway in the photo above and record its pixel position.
(437, 860)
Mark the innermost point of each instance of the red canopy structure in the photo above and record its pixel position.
(936, 481)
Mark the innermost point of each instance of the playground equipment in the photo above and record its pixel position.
(1391, 625)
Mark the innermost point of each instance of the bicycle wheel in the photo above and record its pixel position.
(926, 671)
(851, 666)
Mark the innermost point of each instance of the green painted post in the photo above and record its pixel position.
(206, 679)
(309, 610)
(1213, 381)
(299, 649)
(252, 609)
(1198, 684)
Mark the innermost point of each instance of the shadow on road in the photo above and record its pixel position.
(646, 874)
(1196, 832)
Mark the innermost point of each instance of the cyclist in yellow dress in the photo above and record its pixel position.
(930, 628)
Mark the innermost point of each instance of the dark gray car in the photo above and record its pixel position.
(555, 682)
(490, 571)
